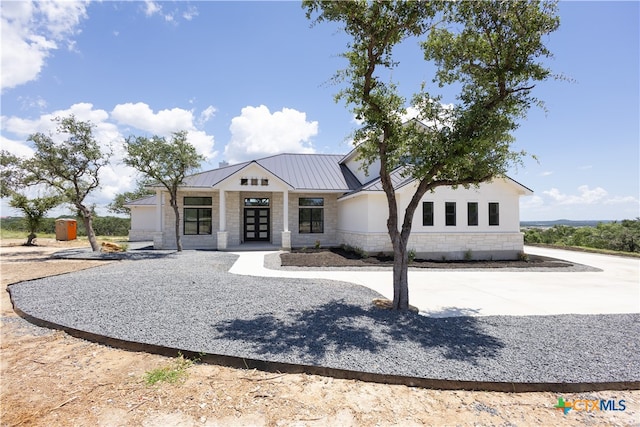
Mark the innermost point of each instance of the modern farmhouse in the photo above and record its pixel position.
(296, 200)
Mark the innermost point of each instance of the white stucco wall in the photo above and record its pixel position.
(142, 223)
(372, 172)
(363, 218)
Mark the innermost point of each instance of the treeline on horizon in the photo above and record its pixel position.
(102, 225)
(615, 236)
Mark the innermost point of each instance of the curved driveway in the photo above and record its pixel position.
(484, 292)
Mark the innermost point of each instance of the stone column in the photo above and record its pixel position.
(158, 233)
(223, 235)
(286, 234)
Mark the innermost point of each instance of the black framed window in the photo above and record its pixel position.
(311, 216)
(197, 221)
(427, 213)
(450, 213)
(472, 213)
(494, 213)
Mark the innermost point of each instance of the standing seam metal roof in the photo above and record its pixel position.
(301, 171)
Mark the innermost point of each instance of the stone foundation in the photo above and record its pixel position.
(447, 246)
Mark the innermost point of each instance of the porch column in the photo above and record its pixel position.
(286, 234)
(222, 233)
(157, 234)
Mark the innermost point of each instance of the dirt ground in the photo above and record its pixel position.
(49, 378)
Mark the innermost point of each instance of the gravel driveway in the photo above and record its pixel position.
(189, 301)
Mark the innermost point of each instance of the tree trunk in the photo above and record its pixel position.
(30, 238)
(400, 275)
(87, 218)
(176, 211)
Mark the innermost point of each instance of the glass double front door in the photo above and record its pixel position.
(256, 225)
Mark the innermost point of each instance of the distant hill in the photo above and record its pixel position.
(568, 222)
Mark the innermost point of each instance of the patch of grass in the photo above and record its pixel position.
(18, 234)
(176, 371)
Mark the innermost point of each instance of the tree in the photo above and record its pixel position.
(488, 49)
(34, 211)
(11, 174)
(118, 204)
(70, 167)
(166, 162)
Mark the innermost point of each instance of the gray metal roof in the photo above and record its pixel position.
(300, 171)
(212, 177)
(311, 171)
(144, 201)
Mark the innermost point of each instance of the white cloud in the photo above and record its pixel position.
(190, 13)
(546, 173)
(206, 114)
(256, 133)
(15, 147)
(30, 31)
(587, 196)
(163, 123)
(621, 200)
(151, 8)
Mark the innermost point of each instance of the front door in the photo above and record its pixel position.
(256, 225)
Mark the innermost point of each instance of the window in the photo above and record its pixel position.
(427, 213)
(197, 221)
(311, 216)
(472, 213)
(264, 181)
(450, 213)
(244, 181)
(494, 213)
(254, 181)
(255, 201)
(197, 201)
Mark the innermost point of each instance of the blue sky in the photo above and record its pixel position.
(251, 79)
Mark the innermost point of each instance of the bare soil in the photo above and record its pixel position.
(338, 257)
(49, 378)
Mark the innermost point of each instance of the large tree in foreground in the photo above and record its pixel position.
(491, 50)
(70, 167)
(167, 163)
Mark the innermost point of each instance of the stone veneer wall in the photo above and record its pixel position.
(203, 241)
(330, 235)
(450, 246)
(141, 235)
(234, 218)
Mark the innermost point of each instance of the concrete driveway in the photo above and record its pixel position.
(446, 293)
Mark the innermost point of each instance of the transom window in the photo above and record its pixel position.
(311, 215)
(256, 201)
(197, 201)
